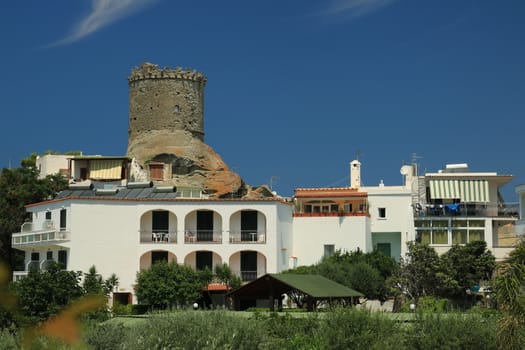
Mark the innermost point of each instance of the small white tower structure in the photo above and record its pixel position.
(355, 174)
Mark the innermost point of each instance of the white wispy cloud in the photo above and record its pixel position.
(355, 8)
(102, 14)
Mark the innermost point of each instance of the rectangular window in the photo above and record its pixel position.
(49, 255)
(384, 248)
(156, 171)
(63, 219)
(249, 225)
(48, 215)
(382, 213)
(476, 235)
(424, 237)
(204, 260)
(440, 237)
(35, 261)
(62, 259)
(329, 249)
(459, 236)
(158, 256)
(248, 266)
(204, 225)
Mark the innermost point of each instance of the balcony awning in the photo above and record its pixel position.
(464, 190)
(107, 169)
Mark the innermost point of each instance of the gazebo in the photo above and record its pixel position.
(272, 286)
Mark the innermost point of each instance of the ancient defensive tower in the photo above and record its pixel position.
(165, 101)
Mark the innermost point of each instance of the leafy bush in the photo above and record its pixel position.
(452, 331)
(196, 330)
(360, 329)
(105, 336)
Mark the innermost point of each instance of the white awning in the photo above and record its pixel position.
(464, 190)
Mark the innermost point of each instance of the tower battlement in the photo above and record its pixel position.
(153, 71)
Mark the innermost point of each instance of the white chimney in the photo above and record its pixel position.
(355, 174)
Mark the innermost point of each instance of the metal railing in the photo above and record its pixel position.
(247, 236)
(158, 236)
(202, 236)
(466, 209)
(248, 276)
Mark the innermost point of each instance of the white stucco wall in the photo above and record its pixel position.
(106, 233)
(311, 234)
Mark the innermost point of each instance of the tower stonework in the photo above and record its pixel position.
(165, 100)
(166, 134)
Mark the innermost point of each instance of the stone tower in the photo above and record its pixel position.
(166, 134)
(166, 101)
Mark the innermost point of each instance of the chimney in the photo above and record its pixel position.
(355, 174)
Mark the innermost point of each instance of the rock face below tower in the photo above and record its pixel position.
(166, 133)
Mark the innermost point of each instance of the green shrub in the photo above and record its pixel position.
(359, 329)
(104, 336)
(196, 330)
(452, 331)
(8, 340)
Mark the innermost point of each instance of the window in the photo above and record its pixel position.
(63, 219)
(49, 255)
(329, 249)
(35, 262)
(48, 215)
(384, 248)
(157, 257)
(62, 259)
(204, 260)
(156, 171)
(382, 213)
(248, 266)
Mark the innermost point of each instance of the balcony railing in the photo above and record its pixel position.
(330, 213)
(248, 276)
(20, 239)
(247, 237)
(158, 236)
(202, 236)
(467, 209)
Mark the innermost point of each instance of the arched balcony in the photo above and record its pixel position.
(247, 226)
(203, 226)
(149, 258)
(248, 264)
(201, 259)
(158, 226)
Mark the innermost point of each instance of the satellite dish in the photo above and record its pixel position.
(406, 170)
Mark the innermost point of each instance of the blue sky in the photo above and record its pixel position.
(296, 88)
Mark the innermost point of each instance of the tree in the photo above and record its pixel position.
(418, 273)
(19, 187)
(166, 285)
(510, 295)
(95, 285)
(43, 294)
(464, 266)
(224, 274)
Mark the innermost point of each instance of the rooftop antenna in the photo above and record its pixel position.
(357, 154)
(271, 181)
(415, 157)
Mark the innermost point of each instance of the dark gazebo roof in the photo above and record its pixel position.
(272, 286)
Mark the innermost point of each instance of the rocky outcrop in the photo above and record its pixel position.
(166, 134)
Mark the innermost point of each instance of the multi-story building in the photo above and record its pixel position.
(172, 198)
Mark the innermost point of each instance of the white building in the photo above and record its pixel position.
(122, 227)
